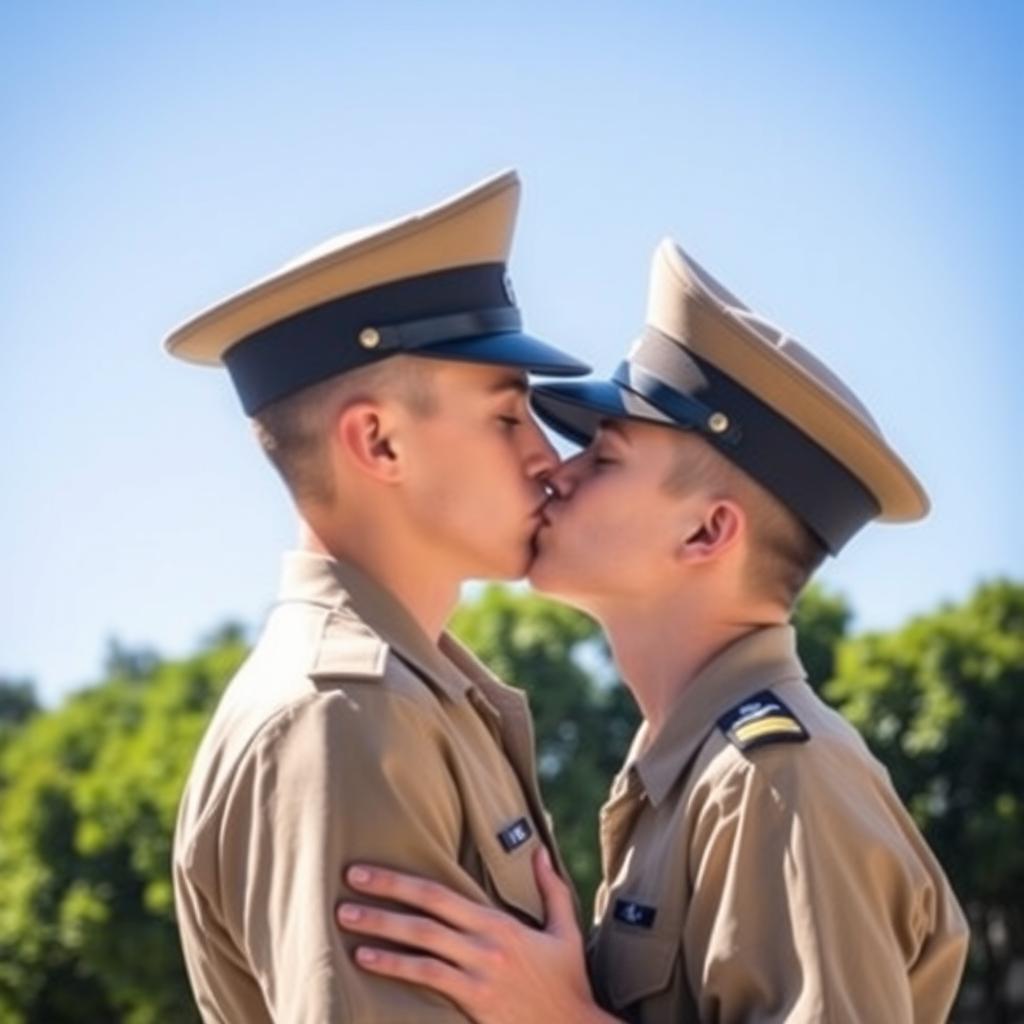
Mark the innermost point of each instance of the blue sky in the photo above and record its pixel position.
(851, 170)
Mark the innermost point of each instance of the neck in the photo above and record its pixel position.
(660, 650)
(409, 574)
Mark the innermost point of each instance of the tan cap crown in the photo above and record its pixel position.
(433, 285)
(688, 305)
(473, 227)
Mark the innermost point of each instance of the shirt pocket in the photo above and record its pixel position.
(507, 852)
(630, 967)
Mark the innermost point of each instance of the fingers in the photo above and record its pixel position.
(430, 897)
(558, 903)
(407, 930)
(420, 970)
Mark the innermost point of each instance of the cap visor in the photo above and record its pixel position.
(508, 349)
(576, 410)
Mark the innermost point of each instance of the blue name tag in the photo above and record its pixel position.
(515, 835)
(636, 914)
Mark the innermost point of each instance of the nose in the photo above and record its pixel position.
(540, 458)
(562, 482)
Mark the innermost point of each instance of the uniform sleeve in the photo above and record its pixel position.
(346, 776)
(808, 903)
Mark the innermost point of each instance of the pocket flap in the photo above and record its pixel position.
(635, 966)
(511, 872)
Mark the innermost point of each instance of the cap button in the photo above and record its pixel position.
(369, 337)
(718, 423)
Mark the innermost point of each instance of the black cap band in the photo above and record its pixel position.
(806, 478)
(368, 326)
(684, 410)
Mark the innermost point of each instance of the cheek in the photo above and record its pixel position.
(470, 482)
(614, 523)
(592, 524)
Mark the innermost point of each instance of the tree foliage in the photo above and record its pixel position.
(822, 619)
(18, 703)
(87, 807)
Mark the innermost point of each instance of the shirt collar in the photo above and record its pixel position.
(762, 658)
(314, 578)
(502, 700)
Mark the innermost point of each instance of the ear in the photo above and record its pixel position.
(720, 529)
(365, 433)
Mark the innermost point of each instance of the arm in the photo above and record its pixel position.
(800, 894)
(345, 775)
(497, 970)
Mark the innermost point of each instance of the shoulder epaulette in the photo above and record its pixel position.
(762, 719)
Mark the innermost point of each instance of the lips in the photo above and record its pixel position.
(540, 520)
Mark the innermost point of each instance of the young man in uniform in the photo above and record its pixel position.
(386, 376)
(758, 865)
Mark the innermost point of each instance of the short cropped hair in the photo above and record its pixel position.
(293, 431)
(783, 553)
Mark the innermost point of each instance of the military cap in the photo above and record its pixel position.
(707, 363)
(432, 284)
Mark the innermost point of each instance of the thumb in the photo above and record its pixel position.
(560, 913)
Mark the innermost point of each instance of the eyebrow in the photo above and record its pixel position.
(516, 383)
(615, 428)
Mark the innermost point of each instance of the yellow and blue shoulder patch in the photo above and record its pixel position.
(762, 719)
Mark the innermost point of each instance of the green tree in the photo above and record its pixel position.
(941, 702)
(86, 821)
(18, 703)
(822, 619)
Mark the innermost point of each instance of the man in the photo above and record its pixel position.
(385, 374)
(758, 866)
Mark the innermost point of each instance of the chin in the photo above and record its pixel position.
(544, 576)
(555, 577)
(559, 590)
(510, 565)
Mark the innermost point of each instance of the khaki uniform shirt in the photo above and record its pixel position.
(767, 873)
(346, 736)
